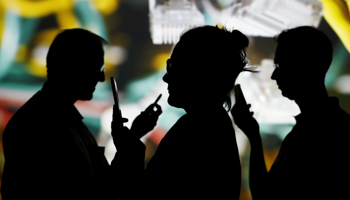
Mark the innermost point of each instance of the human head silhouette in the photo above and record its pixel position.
(204, 65)
(302, 57)
(75, 63)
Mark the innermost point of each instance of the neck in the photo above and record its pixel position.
(312, 99)
(59, 93)
(203, 107)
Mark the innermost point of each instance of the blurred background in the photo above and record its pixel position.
(141, 35)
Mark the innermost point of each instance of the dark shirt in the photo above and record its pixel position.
(197, 159)
(51, 154)
(313, 159)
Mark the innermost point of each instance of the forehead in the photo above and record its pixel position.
(285, 54)
(91, 61)
(177, 51)
(91, 53)
(183, 50)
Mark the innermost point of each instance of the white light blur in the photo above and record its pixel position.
(343, 84)
(265, 18)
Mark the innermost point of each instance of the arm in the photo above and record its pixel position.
(258, 175)
(146, 121)
(128, 163)
(128, 166)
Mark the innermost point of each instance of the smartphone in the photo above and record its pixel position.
(156, 101)
(115, 91)
(115, 95)
(240, 99)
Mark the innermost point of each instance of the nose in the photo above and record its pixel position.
(274, 74)
(165, 77)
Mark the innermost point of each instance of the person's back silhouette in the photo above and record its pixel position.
(49, 152)
(198, 158)
(312, 160)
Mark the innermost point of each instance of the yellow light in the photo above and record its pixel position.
(159, 61)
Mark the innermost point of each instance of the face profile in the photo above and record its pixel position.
(203, 67)
(180, 81)
(87, 81)
(300, 67)
(75, 63)
(283, 74)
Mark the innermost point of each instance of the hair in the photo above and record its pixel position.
(221, 55)
(71, 48)
(305, 47)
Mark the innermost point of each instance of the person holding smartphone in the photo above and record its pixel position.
(49, 151)
(312, 162)
(198, 158)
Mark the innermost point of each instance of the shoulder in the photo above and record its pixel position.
(327, 118)
(213, 129)
(206, 116)
(35, 106)
(30, 120)
(36, 110)
(332, 107)
(333, 117)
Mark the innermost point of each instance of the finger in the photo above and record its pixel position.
(159, 109)
(125, 120)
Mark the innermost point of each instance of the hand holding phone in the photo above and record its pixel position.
(117, 118)
(240, 107)
(240, 99)
(147, 120)
(151, 107)
(242, 116)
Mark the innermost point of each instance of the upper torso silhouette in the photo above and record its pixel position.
(51, 154)
(197, 159)
(312, 162)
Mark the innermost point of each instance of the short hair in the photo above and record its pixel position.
(221, 56)
(68, 50)
(308, 46)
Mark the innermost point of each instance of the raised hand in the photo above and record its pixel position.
(244, 119)
(242, 116)
(146, 121)
(119, 131)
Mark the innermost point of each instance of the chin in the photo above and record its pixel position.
(86, 97)
(287, 95)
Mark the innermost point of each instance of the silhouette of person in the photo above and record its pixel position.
(49, 152)
(198, 157)
(311, 162)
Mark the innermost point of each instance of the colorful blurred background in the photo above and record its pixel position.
(141, 35)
